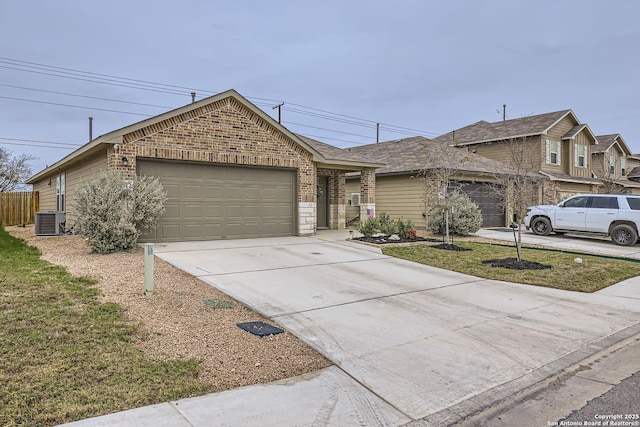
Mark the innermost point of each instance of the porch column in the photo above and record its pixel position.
(337, 206)
(307, 201)
(367, 194)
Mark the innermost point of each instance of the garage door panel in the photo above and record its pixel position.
(207, 202)
(169, 232)
(488, 202)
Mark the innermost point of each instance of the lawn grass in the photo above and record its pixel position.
(64, 356)
(593, 274)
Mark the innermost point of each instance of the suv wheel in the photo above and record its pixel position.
(541, 226)
(624, 235)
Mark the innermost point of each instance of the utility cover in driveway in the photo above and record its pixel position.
(259, 328)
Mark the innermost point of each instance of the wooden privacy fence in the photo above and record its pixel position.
(19, 207)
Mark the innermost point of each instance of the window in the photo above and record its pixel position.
(577, 202)
(60, 192)
(612, 165)
(634, 203)
(623, 166)
(553, 152)
(604, 203)
(581, 155)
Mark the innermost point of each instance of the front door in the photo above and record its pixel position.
(323, 201)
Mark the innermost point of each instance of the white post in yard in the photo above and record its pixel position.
(148, 269)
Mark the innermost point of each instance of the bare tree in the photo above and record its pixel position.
(441, 163)
(13, 170)
(606, 175)
(518, 181)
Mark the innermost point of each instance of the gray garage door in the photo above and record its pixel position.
(489, 204)
(210, 202)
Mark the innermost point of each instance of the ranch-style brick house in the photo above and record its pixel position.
(229, 169)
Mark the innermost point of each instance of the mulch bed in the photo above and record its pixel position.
(450, 247)
(385, 240)
(514, 264)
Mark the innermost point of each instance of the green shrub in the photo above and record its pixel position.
(113, 212)
(369, 227)
(402, 227)
(466, 218)
(386, 224)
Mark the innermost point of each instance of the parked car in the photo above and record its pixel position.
(615, 215)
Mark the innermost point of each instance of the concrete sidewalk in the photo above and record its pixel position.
(410, 343)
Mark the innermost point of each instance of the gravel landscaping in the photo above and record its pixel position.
(176, 322)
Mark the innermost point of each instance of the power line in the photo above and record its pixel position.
(335, 139)
(93, 81)
(75, 106)
(108, 79)
(41, 141)
(329, 130)
(84, 96)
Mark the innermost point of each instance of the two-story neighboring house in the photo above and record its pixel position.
(611, 163)
(560, 148)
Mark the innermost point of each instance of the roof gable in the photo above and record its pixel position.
(605, 142)
(173, 117)
(578, 129)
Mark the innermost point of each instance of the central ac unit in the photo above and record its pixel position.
(355, 199)
(50, 223)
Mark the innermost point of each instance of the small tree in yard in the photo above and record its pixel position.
(113, 212)
(13, 170)
(518, 181)
(441, 163)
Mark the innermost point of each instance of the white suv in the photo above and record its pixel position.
(615, 215)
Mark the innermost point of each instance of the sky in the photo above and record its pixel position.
(416, 67)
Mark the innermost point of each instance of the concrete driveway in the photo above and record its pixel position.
(410, 342)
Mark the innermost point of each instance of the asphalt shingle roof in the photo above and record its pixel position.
(604, 142)
(574, 131)
(409, 155)
(484, 131)
(330, 152)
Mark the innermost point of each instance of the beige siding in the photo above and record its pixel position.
(598, 163)
(399, 196)
(500, 151)
(47, 194)
(561, 128)
(567, 189)
(566, 155)
(583, 139)
(79, 174)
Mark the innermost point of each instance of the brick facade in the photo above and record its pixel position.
(367, 193)
(223, 132)
(227, 131)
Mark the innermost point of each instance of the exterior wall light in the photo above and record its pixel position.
(125, 161)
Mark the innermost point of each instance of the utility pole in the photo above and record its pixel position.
(504, 112)
(279, 107)
(377, 132)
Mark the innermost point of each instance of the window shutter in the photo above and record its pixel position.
(559, 150)
(548, 152)
(575, 154)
